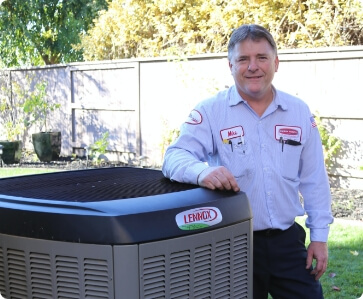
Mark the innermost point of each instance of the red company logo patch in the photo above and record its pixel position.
(287, 131)
(194, 118)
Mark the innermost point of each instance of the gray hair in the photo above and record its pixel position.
(249, 31)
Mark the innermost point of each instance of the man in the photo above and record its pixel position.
(264, 142)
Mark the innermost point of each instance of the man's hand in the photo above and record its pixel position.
(218, 178)
(319, 252)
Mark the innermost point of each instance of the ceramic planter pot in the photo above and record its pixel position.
(47, 145)
(11, 151)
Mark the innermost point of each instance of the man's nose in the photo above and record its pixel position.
(252, 66)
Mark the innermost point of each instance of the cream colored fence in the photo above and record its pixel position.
(139, 101)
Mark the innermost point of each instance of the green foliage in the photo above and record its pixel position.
(12, 125)
(25, 105)
(57, 31)
(331, 144)
(36, 105)
(16, 171)
(168, 136)
(99, 147)
(139, 28)
(44, 32)
(13, 129)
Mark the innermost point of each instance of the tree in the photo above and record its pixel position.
(149, 28)
(36, 32)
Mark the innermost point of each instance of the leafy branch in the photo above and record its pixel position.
(99, 147)
(38, 107)
(331, 144)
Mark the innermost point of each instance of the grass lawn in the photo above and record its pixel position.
(8, 172)
(344, 276)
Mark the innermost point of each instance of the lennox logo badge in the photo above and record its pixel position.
(198, 218)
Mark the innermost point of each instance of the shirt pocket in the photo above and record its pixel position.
(239, 161)
(290, 161)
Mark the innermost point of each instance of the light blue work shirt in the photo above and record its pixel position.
(224, 130)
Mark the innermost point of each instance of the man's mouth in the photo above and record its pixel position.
(254, 77)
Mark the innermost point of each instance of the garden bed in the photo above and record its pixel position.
(347, 203)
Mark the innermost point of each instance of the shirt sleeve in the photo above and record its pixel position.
(315, 188)
(187, 157)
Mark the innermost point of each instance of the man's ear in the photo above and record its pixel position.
(277, 62)
(230, 65)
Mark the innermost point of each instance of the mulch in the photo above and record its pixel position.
(347, 203)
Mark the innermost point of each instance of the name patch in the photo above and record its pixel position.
(230, 133)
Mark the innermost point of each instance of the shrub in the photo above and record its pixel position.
(331, 143)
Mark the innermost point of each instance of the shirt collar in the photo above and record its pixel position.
(235, 98)
(278, 101)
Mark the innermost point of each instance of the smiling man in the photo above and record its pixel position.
(264, 142)
(253, 63)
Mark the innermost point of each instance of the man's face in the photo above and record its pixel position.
(253, 66)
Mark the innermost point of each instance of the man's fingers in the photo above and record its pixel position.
(309, 260)
(319, 252)
(218, 181)
(222, 182)
(225, 180)
(230, 182)
(319, 269)
(218, 178)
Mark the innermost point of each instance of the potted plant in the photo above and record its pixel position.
(37, 108)
(12, 127)
(12, 147)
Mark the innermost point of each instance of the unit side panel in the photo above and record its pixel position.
(32, 268)
(213, 264)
